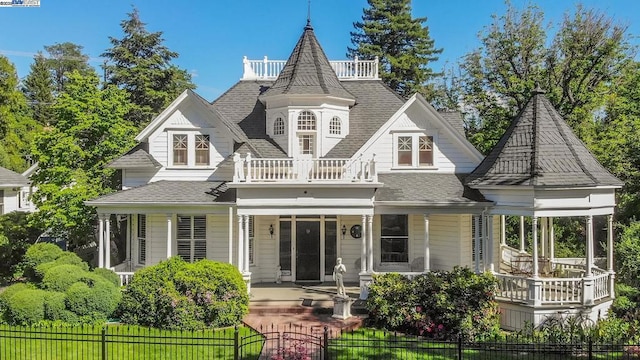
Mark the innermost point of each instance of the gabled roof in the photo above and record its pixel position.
(10, 178)
(170, 192)
(427, 188)
(136, 158)
(539, 149)
(308, 72)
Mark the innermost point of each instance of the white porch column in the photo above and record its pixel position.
(101, 240)
(169, 235)
(522, 239)
(363, 246)
(246, 244)
(477, 243)
(240, 243)
(552, 241)
(612, 273)
(534, 236)
(485, 240)
(427, 256)
(107, 241)
(589, 245)
(370, 243)
(543, 237)
(503, 230)
(129, 241)
(230, 235)
(490, 243)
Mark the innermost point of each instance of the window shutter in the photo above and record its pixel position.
(184, 227)
(476, 238)
(142, 241)
(184, 249)
(199, 250)
(251, 239)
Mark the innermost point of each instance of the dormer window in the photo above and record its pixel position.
(278, 126)
(414, 150)
(335, 126)
(180, 147)
(202, 150)
(306, 121)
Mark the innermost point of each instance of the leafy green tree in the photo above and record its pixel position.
(16, 127)
(63, 59)
(16, 235)
(141, 65)
(586, 53)
(402, 44)
(90, 132)
(38, 88)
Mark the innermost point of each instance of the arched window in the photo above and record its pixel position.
(335, 126)
(278, 127)
(306, 120)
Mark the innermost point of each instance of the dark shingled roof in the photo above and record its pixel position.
(136, 158)
(455, 119)
(431, 188)
(308, 71)
(375, 105)
(10, 178)
(171, 192)
(539, 149)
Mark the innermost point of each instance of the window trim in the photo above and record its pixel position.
(279, 120)
(335, 123)
(191, 148)
(415, 150)
(196, 149)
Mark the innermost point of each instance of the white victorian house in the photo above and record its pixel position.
(15, 191)
(308, 160)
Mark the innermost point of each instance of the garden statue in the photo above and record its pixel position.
(278, 275)
(338, 274)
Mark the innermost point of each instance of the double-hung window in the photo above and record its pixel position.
(202, 150)
(142, 239)
(180, 149)
(192, 237)
(190, 149)
(394, 241)
(414, 150)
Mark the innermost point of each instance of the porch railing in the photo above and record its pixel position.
(301, 170)
(355, 69)
(125, 277)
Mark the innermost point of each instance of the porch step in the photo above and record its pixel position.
(303, 306)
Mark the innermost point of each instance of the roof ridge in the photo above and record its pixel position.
(535, 142)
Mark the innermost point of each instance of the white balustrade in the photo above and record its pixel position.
(562, 291)
(601, 286)
(355, 69)
(512, 288)
(125, 277)
(294, 170)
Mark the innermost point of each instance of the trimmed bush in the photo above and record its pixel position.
(179, 295)
(97, 302)
(54, 305)
(39, 254)
(67, 258)
(108, 275)
(61, 277)
(436, 304)
(8, 293)
(26, 307)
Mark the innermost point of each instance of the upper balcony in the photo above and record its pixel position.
(355, 69)
(288, 170)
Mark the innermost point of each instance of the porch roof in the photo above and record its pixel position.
(10, 178)
(427, 189)
(136, 158)
(170, 192)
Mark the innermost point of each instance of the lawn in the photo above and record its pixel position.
(120, 342)
(376, 344)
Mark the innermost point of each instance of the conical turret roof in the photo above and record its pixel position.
(308, 72)
(539, 149)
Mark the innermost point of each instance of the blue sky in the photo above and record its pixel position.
(213, 36)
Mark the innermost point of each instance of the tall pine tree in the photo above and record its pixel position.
(38, 88)
(402, 44)
(141, 65)
(63, 59)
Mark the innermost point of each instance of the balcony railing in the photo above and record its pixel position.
(256, 170)
(355, 69)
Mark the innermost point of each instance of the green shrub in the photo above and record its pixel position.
(61, 277)
(66, 258)
(54, 305)
(8, 293)
(26, 307)
(627, 252)
(108, 275)
(96, 301)
(19, 233)
(436, 304)
(179, 295)
(39, 254)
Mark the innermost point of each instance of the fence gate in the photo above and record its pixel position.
(289, 342)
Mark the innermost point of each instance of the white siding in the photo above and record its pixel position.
(218, 238)
(445, 241)
(266, 256)
(157, 236)
(349, 248)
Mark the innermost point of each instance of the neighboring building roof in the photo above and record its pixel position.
(136, 158)
(539, 149)
(10, 178)
(430, 188)
(455, 119)
(307, 71)
(170, 192)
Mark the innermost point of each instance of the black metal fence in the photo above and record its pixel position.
(272, 343)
